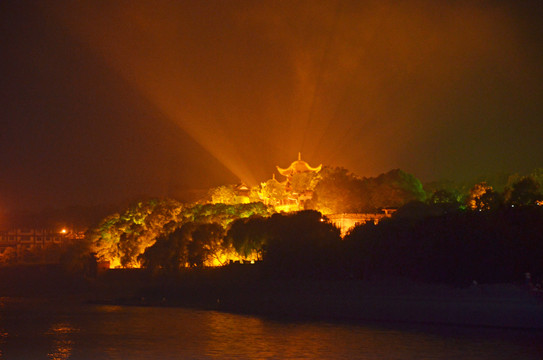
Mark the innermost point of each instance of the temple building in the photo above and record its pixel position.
(292, 193)
(297, 190)
(295, 193)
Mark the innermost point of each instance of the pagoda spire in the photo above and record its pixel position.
(299, 156)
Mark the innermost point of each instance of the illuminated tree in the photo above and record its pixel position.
(224, 214)
(206, 245)
(476, 198)
(273, 192)
(339, 191)
(304, 181)
(225, 194)
(120, 238)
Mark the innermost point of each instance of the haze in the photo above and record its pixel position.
(104, 101)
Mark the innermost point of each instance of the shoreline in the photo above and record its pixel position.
(397, 301)
(243, 290)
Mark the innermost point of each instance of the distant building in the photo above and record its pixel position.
(243, 194)
(16, 242)
(293, 194)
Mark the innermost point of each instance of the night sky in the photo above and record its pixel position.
(103, 101)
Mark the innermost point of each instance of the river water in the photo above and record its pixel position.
(56, 329)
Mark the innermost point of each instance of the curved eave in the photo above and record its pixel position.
(284, 172)
(315, 169)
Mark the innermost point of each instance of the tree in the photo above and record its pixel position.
(394, 189)
(121, 238)
(249, 236)
(442, 196)
(523, 192)
(490, 200)
(302, 244)
(77, 258)
(273, 192)
(170, 252)
(483, 197)
(206, 246)
(339, 191)
(304, 181)
(224, 194)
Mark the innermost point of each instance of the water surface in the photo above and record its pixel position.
(56, 329)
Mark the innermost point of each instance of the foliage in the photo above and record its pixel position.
(483, 197)
(224, 194)
(169, 252)
(445, 200)
(430, 241)
(191, 244)
(222, 213)
(206, 245)
(301, 244)
(442, 196)
(526, 191)
(249, 236)
(76, 258)
(456, 248)
(304, 181)
(395, 188)
(273, 191)
(120, 238)
(340, 191)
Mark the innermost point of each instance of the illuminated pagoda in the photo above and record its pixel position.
(298, 166)
(282, 195)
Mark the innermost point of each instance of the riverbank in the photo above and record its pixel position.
(243, 289)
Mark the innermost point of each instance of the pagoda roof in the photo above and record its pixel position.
(298, 166)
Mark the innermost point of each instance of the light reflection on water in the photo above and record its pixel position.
(31, 329)
(61, 341)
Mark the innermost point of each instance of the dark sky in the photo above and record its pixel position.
(103, 101)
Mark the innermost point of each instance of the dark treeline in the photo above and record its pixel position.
(456, 248)
(292, 245)
(488, 237)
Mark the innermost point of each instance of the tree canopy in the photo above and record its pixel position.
(122, 238)
(339, 191)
